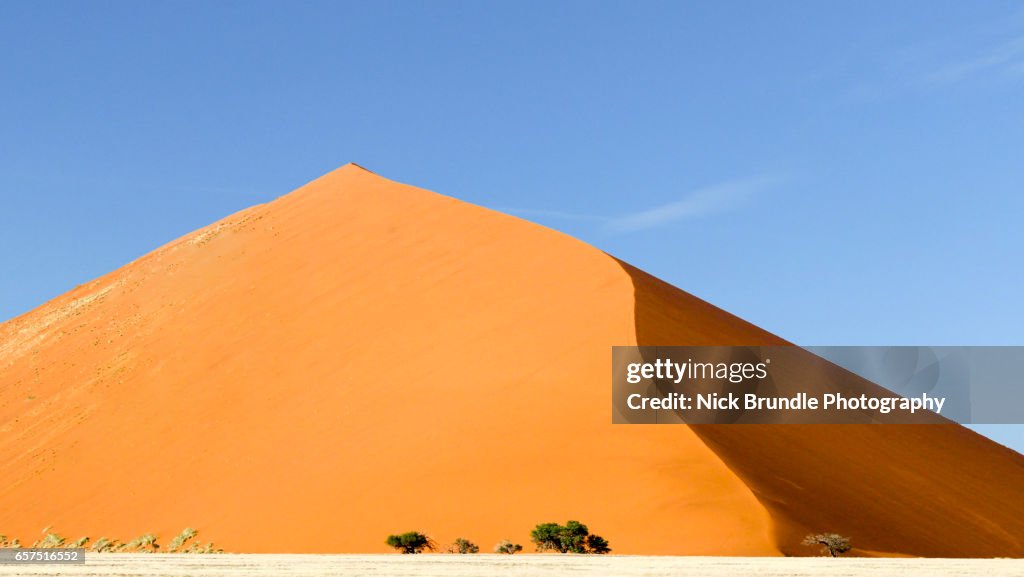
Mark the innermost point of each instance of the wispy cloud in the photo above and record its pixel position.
(720, 198)
(1005, 58)
(723, 197)
(989, 50)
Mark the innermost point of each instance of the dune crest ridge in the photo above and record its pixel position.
(361, 357)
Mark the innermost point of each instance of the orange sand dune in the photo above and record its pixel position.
(361, 357)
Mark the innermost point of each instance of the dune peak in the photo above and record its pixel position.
(276, 379)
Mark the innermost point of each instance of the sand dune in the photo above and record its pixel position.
(361, 356)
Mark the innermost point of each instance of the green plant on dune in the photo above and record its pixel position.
(598, 545)
(80, 543)
(463, 546)
(573, 537)
(410, 543)
(547, 537)
(507, 547)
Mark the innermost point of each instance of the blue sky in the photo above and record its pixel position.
(838, 173)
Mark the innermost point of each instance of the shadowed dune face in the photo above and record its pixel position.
(930, 490)
(354, 359)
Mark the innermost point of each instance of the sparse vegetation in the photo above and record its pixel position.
(50, 540)
(573, 537)
(598, 545)
(103, 545)
(547, 537)
(831, 543)
(463, 547)
(507, 547)
(178, 542)
(146, 543)
(410, 543)
(199, 548)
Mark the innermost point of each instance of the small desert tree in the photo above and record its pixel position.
(834, 544)
(598, 545)
(573, 537)
(410, 543)
(463, 546)
(507, 547)
(547, 537)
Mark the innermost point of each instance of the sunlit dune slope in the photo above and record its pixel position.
(362, 357)
(356, 358)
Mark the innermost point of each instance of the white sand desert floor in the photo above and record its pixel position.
(518, 565)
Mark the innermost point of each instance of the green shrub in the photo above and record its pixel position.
(573, 537)
(547, 537)
(597, 545)
(463, 546)
(410, 543)
(507, 547)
